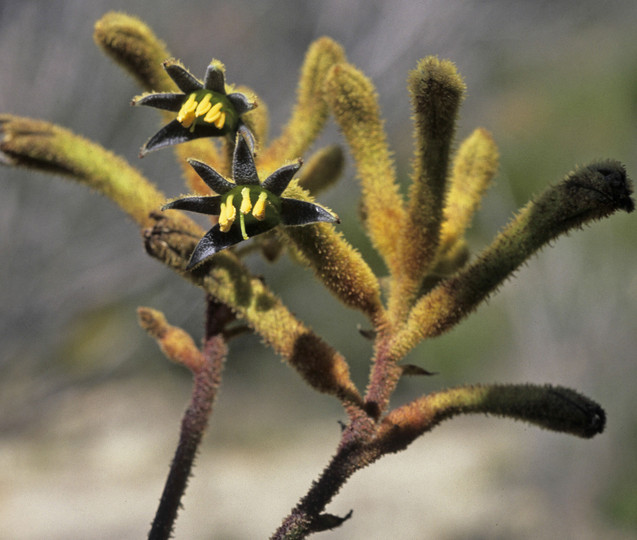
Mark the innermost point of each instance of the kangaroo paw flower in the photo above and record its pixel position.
(203, 108)
(246, 207)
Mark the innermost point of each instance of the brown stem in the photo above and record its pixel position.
(383, 379)
(354, 453)
(306, 517)
(206, 381)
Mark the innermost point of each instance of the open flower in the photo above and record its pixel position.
(203, 109)
(246, 207)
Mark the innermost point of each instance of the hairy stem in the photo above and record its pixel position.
(353, 101)
(436, 92)
(353, 454)
(207, 379)
(550, 407)
(384, 376)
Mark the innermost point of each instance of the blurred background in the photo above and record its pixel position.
(90, 409)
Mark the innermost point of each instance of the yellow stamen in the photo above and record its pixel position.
(223, 221)
(186, 115)
(246, 203)
(213, 114)
(231, 211)
(259, 206)
(204, 106)
(227, 214)
(221, 120)
(211, 118)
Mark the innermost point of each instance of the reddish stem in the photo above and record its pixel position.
(206, 381)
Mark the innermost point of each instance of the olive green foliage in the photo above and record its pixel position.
(431, 282)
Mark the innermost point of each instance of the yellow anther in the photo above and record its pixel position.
(204, 106)
(227, 214)
(223, 220)
(188, 120)
(259, 206)
(186, 115)
(189, 105)
(246, 203)
(219, 122)
(213, 114)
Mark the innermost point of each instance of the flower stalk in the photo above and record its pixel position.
(227, 280)
(254, 201)
(206, 367)
(310, 112)
(436, 92)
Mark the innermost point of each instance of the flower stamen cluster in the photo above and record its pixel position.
(204, 108)
(198, 105)
(258, 205)
(228, 208)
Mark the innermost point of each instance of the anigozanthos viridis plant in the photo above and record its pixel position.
(335, 262)
(204, 109)
(246, 207)
(432, 283)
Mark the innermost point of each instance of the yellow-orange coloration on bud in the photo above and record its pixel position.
(174, 342)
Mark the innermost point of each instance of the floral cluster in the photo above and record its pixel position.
(430, 282)
(245, 206)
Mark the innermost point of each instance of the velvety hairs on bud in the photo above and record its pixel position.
(258, 199)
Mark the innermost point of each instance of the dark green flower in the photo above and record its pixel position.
(246, 207)
(203, 109)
